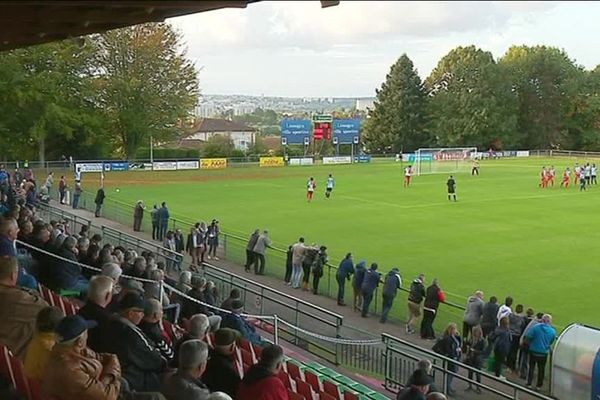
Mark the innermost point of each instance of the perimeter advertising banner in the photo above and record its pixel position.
(116, 166)
(188, 165)
(89, 167)
(337, 160)
(213, 163)
(271, 162)
(302, 161)
(164, 166)
(295, 131)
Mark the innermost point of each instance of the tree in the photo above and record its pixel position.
(218, 146)
(398, 119)
(147, 86)
(471, 103)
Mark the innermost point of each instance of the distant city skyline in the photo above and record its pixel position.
(297, 49)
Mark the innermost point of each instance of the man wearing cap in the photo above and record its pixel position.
(419, 387)
(221, 373)
(129, 286)
(141, 360)
(237, 322)
(76, 372)
(185, 383)
(99, 297)
(261, 381)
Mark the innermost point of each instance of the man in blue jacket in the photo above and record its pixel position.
(370, 283)
(357, 281)
(392, 283)
(237, 322)
(345, 269)
(540, 339)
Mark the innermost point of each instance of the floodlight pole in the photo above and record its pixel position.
(151, 150)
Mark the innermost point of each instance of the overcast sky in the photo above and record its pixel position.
(282, 48)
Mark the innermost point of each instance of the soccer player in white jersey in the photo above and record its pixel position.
(594, 172)
(310, 188)
(408, 171)
(588, 174)
(330, 184)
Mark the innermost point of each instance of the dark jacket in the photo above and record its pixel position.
(411, 393)
(476, 353)
(310, 256)
(417, 291)
(449, 346)
(501, 338)
(320, 263)
(163, 215)
(370, 282)
(392, 283)
(7, 247)
(261, 384)
(99, 338)
(252, 241)
(141, 362)
(154, 216)
(221, 374)
(345, 269)
(67, 273)
(411, 379)
(359, 275)
(190, 308)
(178, 386)
(100, 196)
(432, 297)
(235, 321)
(490, 314)
(154, 333)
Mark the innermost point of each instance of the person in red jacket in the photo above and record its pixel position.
(261, 381)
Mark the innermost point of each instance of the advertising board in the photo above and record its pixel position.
(213, 163)
(140, 167)
(89, 167)
(271, 162)
(302, 161)
(346, 130)
(188, 165)
(337, 160)
(295, 131)
(164, 166)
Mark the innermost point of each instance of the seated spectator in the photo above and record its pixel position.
(9, 231)
(233, 295)
(426, 366)
(141, 360)
(91, 256)
(436, 396)
(154, 290)
(185, 383)
(99, 297)
(83, 244)
(419, 387)
(44, 339)
(199, 327)
(67, 273)
(239, 323)
(221, 372)
(219, 396)
(261, 382)
(210, 294)
(76, 372)
(113, 271)
(128, 286)
(19, 309)
(150, 325)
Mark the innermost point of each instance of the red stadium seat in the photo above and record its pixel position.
(304, 389)
(295, 396)
(350, 396)
(247, 357)
(285, 378)
(257, 351)
(247, 346)
(312, 380)
(325, 396)
(294, 371)
(58, 301)
(331, 389)
(12, 368)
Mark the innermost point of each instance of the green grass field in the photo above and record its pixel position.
(505, 235)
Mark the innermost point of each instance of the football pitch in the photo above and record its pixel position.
(504, 235)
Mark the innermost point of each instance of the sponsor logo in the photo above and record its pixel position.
(271, 162)
(188, 164)
(213, 163)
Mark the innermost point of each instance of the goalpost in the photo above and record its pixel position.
(443, 160)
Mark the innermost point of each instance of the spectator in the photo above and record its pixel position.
(191, 248)
(38, 351)
(77, 194)
(155, 218)
(201, 237)
(213, 239)
(319, 268)
(62, 189)
(113, 271)
(370, 283)
(476, 346)
(233, 295)
(49, 180)
(436, 396)
(308, 260)
(210, 294)
(141, 360)
(287, 279)
(219, 396)
(261, 381)
(516, 324)
(357, 281)
(298, 251)
(99, 200)
(76, 372)
(19, 309)
(433, 297)
(450, 345)
(68, 272)
(393, 282)
(540, 339)
(138, 215)
(424, 365)
(262, 243)
(500, 340)
(473, 313)
(415, 297)
(198, 329)
(150, 325)
(524, 353)
(250, 249)
(419, 387)
(185, 383)
(505, 310)
(221, 373)
(345, 270)
(163, 221)
(239, 323)
(169, 244)
(489, 320)
(83, 244)
(100, 295)
(9, 231)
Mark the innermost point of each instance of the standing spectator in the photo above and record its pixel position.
(287, 279)
(261, 382)
(415, 297)
(250, 249)
(319, 268)
(62, 189)
(49, 180)
(476, 346)
(169, 244)
(17, 177)
(370, 283)
(310, 256)
(516, 324)
(38, 351)
(473, 313)
(99, 200)
(179, 247)
(433, 297)
(154, 216)
(185, 383)
(298, 251)
(345, 270)
(489, 320)
(505, 310)
(77, 194)
(540, 339)
(530, 322)
(221, 373)
(200, 241)
(357, 281)
(163, 221)
(262, 243)
(138, 215)
(500, 340)
(213, 239)
(393, 282)
(450, 345)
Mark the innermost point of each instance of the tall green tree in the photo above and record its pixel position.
(147, 86)
(471, 103)
(397, 121)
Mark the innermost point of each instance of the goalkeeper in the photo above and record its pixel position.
(451, 183)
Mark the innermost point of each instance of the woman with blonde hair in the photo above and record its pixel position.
(476, 346)
(450, 346)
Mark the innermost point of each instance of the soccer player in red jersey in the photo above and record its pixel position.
(407, 175)
(310, 186)
(566, 178)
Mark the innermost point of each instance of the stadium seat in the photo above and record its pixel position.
(304, 389)
(331, 389)
(285, 378)
(247, 346)
(325, 396)
(58, 301)
(294, 371)
(294, 396)
(247, 357)
(12, 368)
(350, 395)
(257, 351)
(312, 380)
